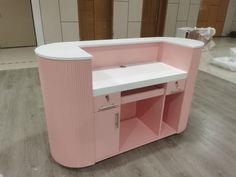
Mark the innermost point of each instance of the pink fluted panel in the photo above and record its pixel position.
(122, 55)
(186, 59)
(68, 101)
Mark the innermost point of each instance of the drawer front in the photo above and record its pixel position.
(106, 102)
(141, 96)
(175, 87)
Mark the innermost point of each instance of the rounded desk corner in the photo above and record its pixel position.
(67, 164)
(62, 51)
(181, 129)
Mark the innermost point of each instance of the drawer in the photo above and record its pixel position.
(141, 94)
(175, 87)
(106, 102)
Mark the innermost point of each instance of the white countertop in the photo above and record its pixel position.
(120, 79)
(74, 51)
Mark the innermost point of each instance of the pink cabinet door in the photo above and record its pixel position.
(107, 133)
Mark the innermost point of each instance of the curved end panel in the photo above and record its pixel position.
(68, 102)
(182, 129)
(189, 89)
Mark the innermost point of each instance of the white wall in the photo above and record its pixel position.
(60, 20)
(233, 26)
(127, 18)
(61, 23)
(128, 15)
(51, 20)
(69, 20)
(37, 18)
(181, 13)
(230, 21)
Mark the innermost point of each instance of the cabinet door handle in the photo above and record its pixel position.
(102, 108)
(117, 120)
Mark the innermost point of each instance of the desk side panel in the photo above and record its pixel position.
(67, 93)
(186, 59)
(189, 89)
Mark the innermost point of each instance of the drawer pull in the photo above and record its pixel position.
(176, 84)
(107, 98)
(117, 120)
(102, 108)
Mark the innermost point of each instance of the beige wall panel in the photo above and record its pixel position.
(51, 21)
(134, 29)
(230, 16)
(171, 18)
(183, 10)
(135, 10)
(69, 10)
(70, 31)
(193, 15)
(16, 24)
(120, 17)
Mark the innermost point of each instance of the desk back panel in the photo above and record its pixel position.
(176, 56)
(113, 56)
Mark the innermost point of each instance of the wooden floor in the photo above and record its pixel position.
(206, 149)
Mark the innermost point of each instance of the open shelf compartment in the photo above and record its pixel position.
(171, 114)
(141, 117)
(134, 133)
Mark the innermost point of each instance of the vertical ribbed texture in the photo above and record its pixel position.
(68, 100)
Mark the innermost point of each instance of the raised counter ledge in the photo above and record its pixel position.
(74, 51)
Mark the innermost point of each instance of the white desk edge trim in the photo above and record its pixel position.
(73, 50)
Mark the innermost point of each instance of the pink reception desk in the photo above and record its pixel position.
(106, 97)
